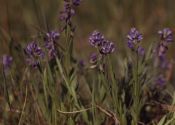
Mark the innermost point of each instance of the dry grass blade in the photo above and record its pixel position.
(23, 108)
(109, 114)
(74, 112)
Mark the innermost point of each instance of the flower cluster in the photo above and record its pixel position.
(6, 61)
(107, 47)
(166, 37)
(98, 40)
(76, 2)
(50, 41)
(96, 61)
(52, 36)
(68, 10)
(93, 58)
(134, 38)
(34, 52)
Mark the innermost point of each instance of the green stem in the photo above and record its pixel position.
(115, 98)
(68, 84)
(137, 94)
(93, 103)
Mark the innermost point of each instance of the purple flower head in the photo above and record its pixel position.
(7, 61)
(50, 42)
(34, 52)
(67, 13)
(96, 38)
(52, 36)
(33, 49)
(134, 37)
(141, 51)
(93, 58)
(130, 45)
(166, 35)
(107, 47)
(50, 39)
(76, 2)
(49, 45)
(160, 80)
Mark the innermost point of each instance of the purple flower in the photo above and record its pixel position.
(76, 2)
(134, 37)
(107, 47)
(96, 38)
(160, 80)
(93, 58)
(33, 49)
(52, 36)
(34, 52)
(67, 13)
(141, 51)
(7, 61)
(166, 35)
(130, 45)
(50, 41)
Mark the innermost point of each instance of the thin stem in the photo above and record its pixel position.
(93, 102)
(24, 105)
(137, 93)
(6, 88)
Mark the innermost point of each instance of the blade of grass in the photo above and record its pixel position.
(23, 108)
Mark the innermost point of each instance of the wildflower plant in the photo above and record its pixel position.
(63, 89)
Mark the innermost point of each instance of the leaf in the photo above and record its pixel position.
(162, 121)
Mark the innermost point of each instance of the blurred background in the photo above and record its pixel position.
(22, 19)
